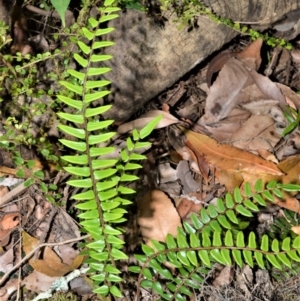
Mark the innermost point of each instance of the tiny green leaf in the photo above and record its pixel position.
(259, 259)
(244, 211)
(147, 250)
(248, 257)
(232, 217)
(265, 243)
(237, 195)
(237, 257)
(228, 239)
(117, 254)
(61, 7)
(147, 130)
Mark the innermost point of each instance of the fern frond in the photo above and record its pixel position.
(103, 182)
(214, 236)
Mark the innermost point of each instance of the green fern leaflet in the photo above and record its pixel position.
(103, 182)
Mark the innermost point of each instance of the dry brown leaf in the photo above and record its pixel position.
(184, 207)
(258, 132)
(222, 96)
(38, 165)
(290, 147)
(290, 168)
(216, 64)
(141, 122)
(202, 164)
(51, 265)
(8, 222)
(229, 179)
(223, 130)
(292, 98)
(175, 157)
(289, 165)
(251, 54)
(267, 155)
(10, 286)
(268, 88)
(166, 173)
(184, 173)
(296, 229)
(227, 157)
(157, 216)
(239, 86)
(66, 253)
(225, 277)
(6, 171)
(289, 203)
(261, 106)
(38, 282)
(6, 260)
(176, 139)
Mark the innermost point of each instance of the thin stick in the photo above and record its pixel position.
(12, 194)
(31, 253)
(257, 22)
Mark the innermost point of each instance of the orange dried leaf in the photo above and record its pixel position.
(184, 207)
(289, 203)
(51, 265)
(227, 157)
(7, 223)
(157, 216)
(296, 229)
(10, 220)
(252, 52)
(229, 179)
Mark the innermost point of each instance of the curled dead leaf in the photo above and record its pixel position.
(216, 64)
(225, 277)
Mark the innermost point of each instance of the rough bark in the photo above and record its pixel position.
(261, 12)
(148, 58)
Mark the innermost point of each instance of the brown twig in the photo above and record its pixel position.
(12, 194)
(69, 15)
(6, 275)
(53, 212)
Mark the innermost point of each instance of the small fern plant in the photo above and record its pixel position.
(103, 183)
(216, 235)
